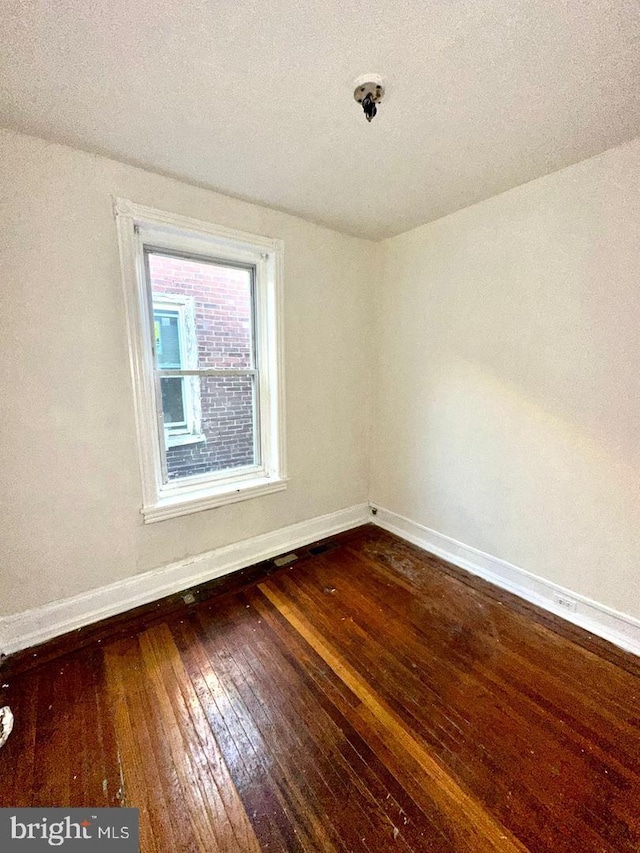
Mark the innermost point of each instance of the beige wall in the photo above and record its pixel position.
(507, 403)
(68, 462)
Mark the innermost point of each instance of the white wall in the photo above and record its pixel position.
(507, 403)
(68, 463)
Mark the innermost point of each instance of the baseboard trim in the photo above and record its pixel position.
(616, 627)
(31, 627)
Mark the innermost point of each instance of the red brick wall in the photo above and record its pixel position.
(222, 313)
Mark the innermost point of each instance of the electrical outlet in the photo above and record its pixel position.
(566, 603)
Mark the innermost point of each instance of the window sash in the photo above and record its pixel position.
(171, 303)
(168, 303)
(208, 371)
(223, 473)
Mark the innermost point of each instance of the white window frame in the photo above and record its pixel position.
(141, 227)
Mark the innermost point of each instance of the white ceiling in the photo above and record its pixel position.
(256, 99)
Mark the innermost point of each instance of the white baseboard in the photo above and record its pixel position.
(31, 627)
(26, 629)
(619, 628)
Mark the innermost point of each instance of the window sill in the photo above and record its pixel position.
(197, 501)
(180, 440)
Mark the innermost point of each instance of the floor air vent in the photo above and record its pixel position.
(324, 546)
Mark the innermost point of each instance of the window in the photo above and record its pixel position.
(205, 342)
(176, 347)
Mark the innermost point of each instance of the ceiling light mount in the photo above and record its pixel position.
(369, 91)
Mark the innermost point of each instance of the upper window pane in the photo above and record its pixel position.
(222, 299)
(167, 334)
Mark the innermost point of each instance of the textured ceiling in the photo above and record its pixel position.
(256, 100)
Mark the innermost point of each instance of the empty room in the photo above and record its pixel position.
(320, 457)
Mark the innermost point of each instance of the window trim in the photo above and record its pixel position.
(138, 227)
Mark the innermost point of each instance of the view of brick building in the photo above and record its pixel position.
(203, 319)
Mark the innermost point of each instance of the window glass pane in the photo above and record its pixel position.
(167, 335)
(221, 297)
(227, 408)
(173, 407)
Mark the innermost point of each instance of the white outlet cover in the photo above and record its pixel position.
(566, 603)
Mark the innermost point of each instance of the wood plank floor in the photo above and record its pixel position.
(367, 698)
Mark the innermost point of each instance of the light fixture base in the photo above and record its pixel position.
(369, 91)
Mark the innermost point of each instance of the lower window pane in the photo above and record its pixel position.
(172, 400)
(226, 408)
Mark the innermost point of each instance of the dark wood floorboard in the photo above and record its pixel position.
(367, 698)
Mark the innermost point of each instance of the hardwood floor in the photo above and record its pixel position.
(367, 698)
